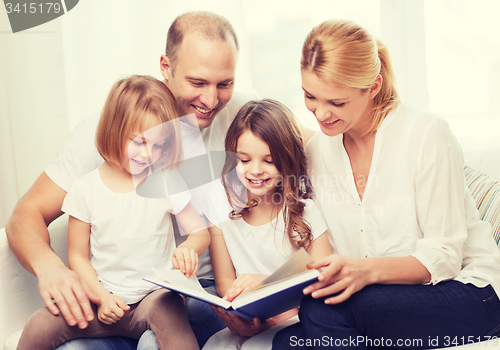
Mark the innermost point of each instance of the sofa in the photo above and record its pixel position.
(19, 296)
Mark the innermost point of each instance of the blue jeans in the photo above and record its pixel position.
(397, 316)
(202, 319)
(108, 343)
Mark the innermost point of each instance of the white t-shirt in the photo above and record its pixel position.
(257, 249)
(129, 234)
(415, 201)
(78, 156)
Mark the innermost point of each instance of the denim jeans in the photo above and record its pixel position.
(397, 316)
(108, 343)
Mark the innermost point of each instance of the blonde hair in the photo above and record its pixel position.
(345, 54)
(275, 124)
(131, 104)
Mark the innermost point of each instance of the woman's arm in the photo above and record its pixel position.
(347, 275)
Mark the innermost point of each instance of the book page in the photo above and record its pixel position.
(176, 281)
(176, 277)
(296, 264)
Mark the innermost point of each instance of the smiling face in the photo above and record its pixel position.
(202, 79)
(144, 147)
(338, 109)
(256, 169)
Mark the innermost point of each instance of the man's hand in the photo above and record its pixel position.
(63, 292)
(29, 239)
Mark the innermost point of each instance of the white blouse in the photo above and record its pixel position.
(415, 200)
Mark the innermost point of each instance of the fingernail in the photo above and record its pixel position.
(315, 294)
(82, 325)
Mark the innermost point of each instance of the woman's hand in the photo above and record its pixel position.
(185, 259)
(111, 309)
(242, 284)
(341, 275)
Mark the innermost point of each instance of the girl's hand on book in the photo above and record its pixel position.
(242, 284)
(185, 259)
(111, 309)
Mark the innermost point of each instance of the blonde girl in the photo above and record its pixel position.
(126, 234)
(261, 212)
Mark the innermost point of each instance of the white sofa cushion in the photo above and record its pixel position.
(19, 296)
(486, 161)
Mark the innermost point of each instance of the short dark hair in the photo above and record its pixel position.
(210, 25)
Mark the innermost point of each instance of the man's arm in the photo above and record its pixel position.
(29, 238)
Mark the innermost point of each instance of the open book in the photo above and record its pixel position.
(278, 293)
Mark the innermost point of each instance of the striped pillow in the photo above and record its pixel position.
(486, 193)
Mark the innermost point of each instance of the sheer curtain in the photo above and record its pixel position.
(59, 73)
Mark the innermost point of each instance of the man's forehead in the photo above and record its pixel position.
(204, 59)
(194, 40)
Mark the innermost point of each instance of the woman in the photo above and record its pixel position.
(413, 266)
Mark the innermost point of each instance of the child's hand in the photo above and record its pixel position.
(242, 284)
(111, 309)
(186, 260)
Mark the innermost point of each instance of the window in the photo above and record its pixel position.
(463, 68)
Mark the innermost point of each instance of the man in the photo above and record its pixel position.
(199, 68)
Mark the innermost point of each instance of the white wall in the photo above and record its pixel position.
(59, 73)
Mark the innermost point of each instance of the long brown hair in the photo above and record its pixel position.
(344, 53)
(274, 124)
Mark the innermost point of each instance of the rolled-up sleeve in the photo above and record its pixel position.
(439, 196)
